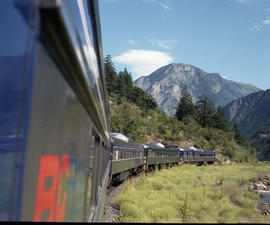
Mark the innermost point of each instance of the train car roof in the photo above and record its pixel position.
(177, 148)
(122, 140)
(191, 148)
(156, 145)
(121, 137)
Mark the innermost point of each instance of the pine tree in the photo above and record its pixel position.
(127, 83)
(110, 73)
(220, 121)
(239, 138)
(185, 106)
(206, 110)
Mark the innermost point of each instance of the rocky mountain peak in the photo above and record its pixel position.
(165, 85)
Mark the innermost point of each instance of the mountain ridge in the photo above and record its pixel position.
(165, 85)
(253, 118)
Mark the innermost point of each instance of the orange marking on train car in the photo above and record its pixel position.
(45, 198)
(64, 171)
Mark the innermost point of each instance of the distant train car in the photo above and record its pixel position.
(127, 159)
(160, 156)
(198, 156)
(54, 132)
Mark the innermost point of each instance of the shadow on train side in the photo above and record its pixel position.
(131, 158)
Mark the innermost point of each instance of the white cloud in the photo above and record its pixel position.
(246, 1)
(166, 44)
(111, 1)
(267, 21)
(268, 9)
(143, 62)
(150, 0)
(131, 42)
(166, 6)
(256, 28)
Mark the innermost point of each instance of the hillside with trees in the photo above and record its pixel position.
(135, 114)
(252, 114)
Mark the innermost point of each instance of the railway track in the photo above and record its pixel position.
(112, 210)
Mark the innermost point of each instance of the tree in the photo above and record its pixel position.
(238, 136)
(220, 121)
(126, 82)
(110, 73)
(185, 106)
(206, 110)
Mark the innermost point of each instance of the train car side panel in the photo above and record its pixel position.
(57, 150)
(19, 30)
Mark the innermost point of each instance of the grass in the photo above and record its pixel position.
(205, 194)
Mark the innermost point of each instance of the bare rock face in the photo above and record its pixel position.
(166, 84)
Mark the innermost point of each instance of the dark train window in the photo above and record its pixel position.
(121, 155)
(94, 154)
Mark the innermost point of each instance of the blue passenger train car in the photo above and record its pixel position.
(127, 159)
(54, 132)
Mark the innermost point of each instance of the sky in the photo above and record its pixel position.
(229, 37)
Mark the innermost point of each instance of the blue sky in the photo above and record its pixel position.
(230, 37)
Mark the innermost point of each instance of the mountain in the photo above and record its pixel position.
(252, 114)
(165, 85)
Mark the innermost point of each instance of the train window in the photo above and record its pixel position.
(116, 155)
(94, 152)
(90, 171)
(120, 154)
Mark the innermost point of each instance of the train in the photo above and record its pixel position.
(57, 155)
(130, 158)
(55, 150)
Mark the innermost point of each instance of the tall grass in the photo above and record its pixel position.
(205, 194)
